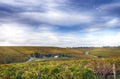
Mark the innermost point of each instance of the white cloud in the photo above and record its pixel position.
(109, 6)
(47, 11)
(13, 32)
(32, 4)
(110, 23)
(17, 34)
(102, 38)
(59, 18)
(45, 28)
(113, 23)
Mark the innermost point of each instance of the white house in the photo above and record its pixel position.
(56, 56)
(86, 52)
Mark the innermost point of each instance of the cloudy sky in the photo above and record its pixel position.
(63, 23)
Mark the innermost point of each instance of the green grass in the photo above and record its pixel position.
(106, 52)
(59, 69)
(20, 53)
(14, 54)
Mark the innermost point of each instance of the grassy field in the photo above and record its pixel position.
(106, 52)
(79, 66)
(21, 54)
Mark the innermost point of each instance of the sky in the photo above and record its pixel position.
(61, 23)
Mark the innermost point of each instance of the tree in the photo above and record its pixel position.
(35, 54)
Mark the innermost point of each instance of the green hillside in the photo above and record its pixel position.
(106, 52)
(20, 54)
(102, 52)
(11, 54)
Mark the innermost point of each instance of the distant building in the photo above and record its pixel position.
(86, 52)
(56, 56)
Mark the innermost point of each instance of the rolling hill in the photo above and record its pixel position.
(102, 51)
(106, 52)
(11, 54)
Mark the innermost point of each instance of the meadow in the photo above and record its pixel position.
(21, 54)
(78, 66)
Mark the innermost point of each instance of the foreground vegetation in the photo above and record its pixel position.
(72, 63)
(60, 69)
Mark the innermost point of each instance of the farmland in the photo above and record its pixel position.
(106, 52)
(67, 69)
(21, 54)
(77, 65)
(102, 51)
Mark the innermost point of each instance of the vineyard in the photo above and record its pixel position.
(67, 69)
(72, 63)
(14, 54)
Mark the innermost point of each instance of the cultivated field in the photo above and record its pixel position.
(96, 64)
